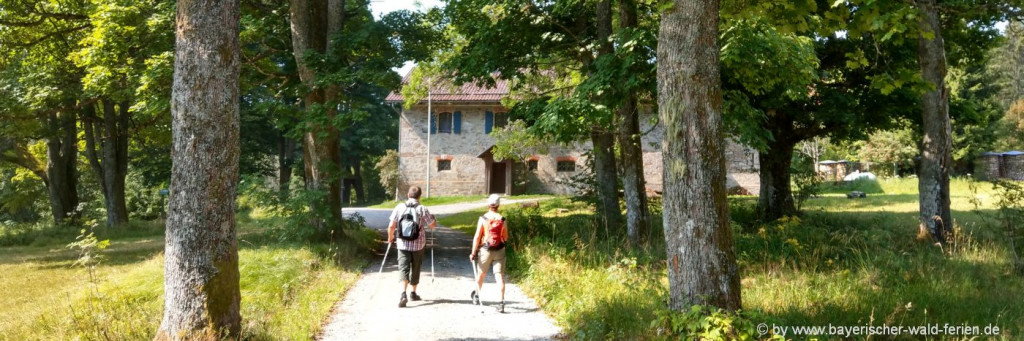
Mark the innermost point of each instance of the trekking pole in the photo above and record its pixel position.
(433, 236)
(385, 259)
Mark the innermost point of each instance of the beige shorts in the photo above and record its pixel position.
(487, 257)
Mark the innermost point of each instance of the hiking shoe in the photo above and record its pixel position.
(501, 307)
(413, 296)
(403, 301)
(475, 297)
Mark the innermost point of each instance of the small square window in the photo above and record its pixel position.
(531, 165)
(500, 120)
(566, 166)
(444, 165)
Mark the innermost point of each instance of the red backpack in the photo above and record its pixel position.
(493, 235)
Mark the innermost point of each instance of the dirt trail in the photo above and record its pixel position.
(370, 310)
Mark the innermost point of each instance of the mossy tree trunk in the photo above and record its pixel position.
(201, 279)
(313, 24)
(699, 246)
(936, 149)
(631, 156)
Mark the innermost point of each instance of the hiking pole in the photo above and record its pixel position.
(384, 260)
(433, 236)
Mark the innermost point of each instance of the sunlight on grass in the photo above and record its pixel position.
(287, 290)
(844, 261)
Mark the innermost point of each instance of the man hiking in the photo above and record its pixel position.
(489, 240)
(407, 222)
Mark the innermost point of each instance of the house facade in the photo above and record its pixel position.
(459, 159)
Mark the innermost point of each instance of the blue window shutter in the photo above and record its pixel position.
(488, 121)
(457, 126)
(433, 123)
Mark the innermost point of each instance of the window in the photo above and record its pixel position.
(566, 166)
(444, 122)
(500, 119)
(444, 165)
(531, 165)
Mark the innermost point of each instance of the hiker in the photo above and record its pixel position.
(489, 240)
(408, 220)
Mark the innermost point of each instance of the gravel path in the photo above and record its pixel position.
(370, 310)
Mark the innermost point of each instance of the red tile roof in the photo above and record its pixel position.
(469, 92)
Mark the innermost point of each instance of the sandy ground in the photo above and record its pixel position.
(370, 310)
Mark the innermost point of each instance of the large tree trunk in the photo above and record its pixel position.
(776, 199)
(201, 255)
(631, 159)
(62, 166)
(313, 24)
(604, 139)
(111, 161)
(701, 262)
(936, 149)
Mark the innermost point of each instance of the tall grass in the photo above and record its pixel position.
(844, 262)
(287, 289)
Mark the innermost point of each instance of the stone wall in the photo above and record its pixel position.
(989, 166)
(468, 174)
(1013, 167)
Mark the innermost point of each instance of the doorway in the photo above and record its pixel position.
(497, 183)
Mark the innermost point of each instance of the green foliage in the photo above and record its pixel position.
(805, 179)
(1011, 128)
(515, 142)
(1010, 201)
(387, 166)
(710, 323)
(887, 149)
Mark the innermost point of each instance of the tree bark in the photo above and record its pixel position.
(936, 149)
(603, 139)
(631, 155)
(111, 161)
(285, 160)
(62, 166)
(357, 169)
(699, 246)
(776, 199)
(313, 24)
(201, 276)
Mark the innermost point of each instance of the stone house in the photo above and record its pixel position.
(459, 161)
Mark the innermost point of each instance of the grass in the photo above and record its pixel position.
(435, 201)
(844, 262)
(287, 289)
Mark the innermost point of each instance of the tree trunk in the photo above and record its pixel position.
(285, 160)
(631, 159)
(701, 262)
(606, 177)
(201, 255)
(313, 24)
(936, 149)
(776, 199)
(62, 166)
(360, 189)
(604, 140)
(109, 160)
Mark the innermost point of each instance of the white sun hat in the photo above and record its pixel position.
(493, 200)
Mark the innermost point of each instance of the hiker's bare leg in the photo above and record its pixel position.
(414, 288)
(405, 285)
(501, 281)
(480, 280)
